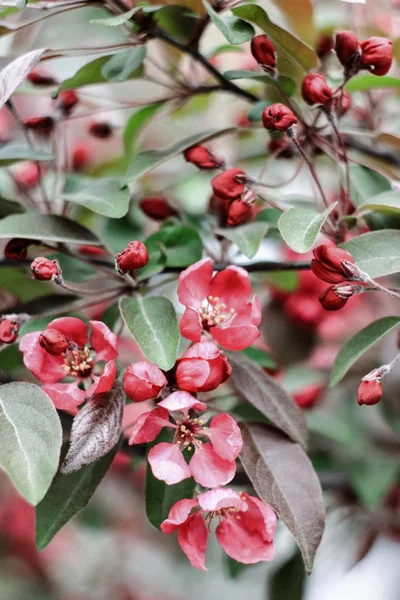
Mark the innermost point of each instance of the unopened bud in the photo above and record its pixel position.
(67, 100)
(53, 341)
(203, 158)
(230, 184)
(17, 249)
(348, 50)
(9, 329)
(369, 392)
(332, 264)
(101, 131)
(315, 90)
(377, 55)
(264, 52)
(156, 207)
(37, 77)
(42, 126)
(278, 117)
(135, 256)
(239, 212)
(44, 269)
(143, 381)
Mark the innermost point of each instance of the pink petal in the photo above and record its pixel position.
(192, 538)
(221, 498)
(194, 283)
(178, 515)
(182, 401)
(75, 330)
(105, 381)
(256, 311)
(168, 464)
(209, 469)
(267, 512)
(235, 338)
(225, 436)
(244, 537)
(149, 425)
(44, 366)
(65, 396)
(190, 325)
(205, 350)
(232, 286)
(192, 374)
(103, 341)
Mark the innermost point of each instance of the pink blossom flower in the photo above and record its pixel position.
(212, 464)
(219, 304)
(79, 362)
(245, 530)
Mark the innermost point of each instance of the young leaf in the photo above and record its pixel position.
(300, 227)
(359, 344)
(50, 228)
(30, 438)
(377, 253)
(368, 81)
(181, 245)
(135, 124)
(366, 183)
(89, 74)
(247, 237)
(11, 153)
(287, 84)
(161, 497)
(103, 196)
(13, 71)
(118, 20)
(260, 390)
(153, 324)
(124, 65)
(233, 29)
(294, 48)
(67, 495)
(283, 476)
(387, 202)
(96, 429)
(146, 161)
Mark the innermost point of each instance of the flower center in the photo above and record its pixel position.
(188, 432)
(78, 362)
(213, 312)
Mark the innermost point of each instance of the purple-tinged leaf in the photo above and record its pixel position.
(15, 70)
(283, 476)
(96, 429)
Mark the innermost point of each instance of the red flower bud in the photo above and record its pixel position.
(239, 212)
(27, 176)
(37, 77)
(203, 158)
(347, 49)
(43, 126)
(264, 52)
(324, 46)
(308, 397)
(315, 90)
(9, 329)
(336, 296)
(377, 55)
(67, 100)
(369, 392)
(202, 368)
(100, 130)
(53, 341)
(92, 250)
(327, 263)
(278, 116)
(341, 103)
(156, 207)
(135, 256)
(17, 249)
(44, 269)
(81, 157)
(228, 185)
(143, 381)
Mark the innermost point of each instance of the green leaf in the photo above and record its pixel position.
(288, 580)
(366, 183)
(178, 21)
(370, 82)
(50, 228)
(287, 84)
(9, 207)
(30, 433)
(247, 237)
(89, 74)
(359, 344)
(377, 253)
(124, 65)
(13, 71)
(11, 153)
(262, 392)
(284, 477)
(146, 161)
(135, 124)
(301, 18)
(118, 20)
(300, 227)
(260, 357)
(181, 245)
(373, 477)
(233, 29)
(388, 202)
(103, 196)
(285, 281)
(291, 45)
(161, 497)
(153, 324)
(68, 494)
